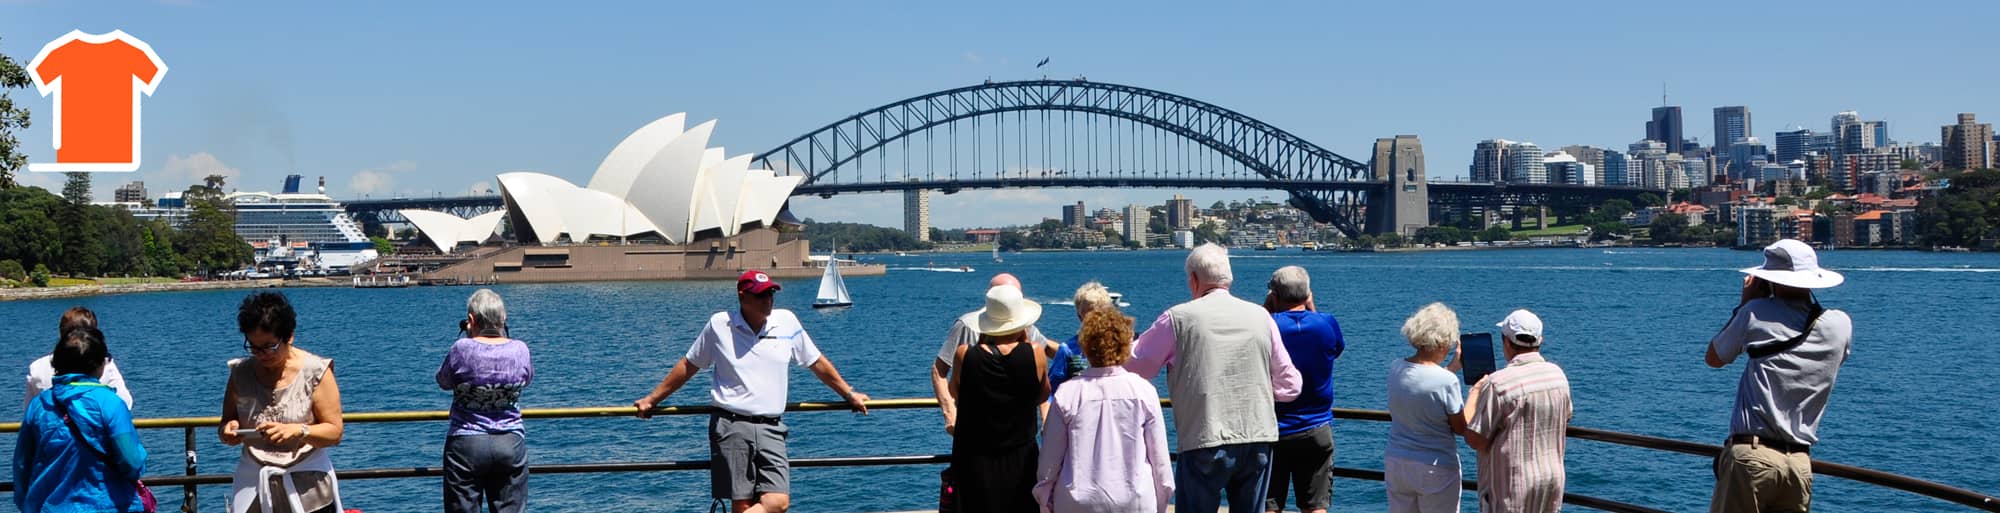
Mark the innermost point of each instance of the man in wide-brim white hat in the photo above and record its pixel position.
(1794, 349)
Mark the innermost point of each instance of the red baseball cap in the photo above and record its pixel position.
(755, 282)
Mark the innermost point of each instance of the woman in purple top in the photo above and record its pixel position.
(485, 458)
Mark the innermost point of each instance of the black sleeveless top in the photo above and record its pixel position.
(999, 396)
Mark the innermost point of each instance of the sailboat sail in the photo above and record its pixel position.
(832, 289)
(996, 253)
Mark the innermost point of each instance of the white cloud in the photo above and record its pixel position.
(973, 58)
(183, 171)
(380, 179)
(481, 188)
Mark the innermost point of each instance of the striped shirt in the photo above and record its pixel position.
(1523, 411)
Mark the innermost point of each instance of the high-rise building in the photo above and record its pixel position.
(1646, 166)
(1731, 124)
(917, 213)
(1614, 171)
(1848, 169)
(1666, 127)
(1858, 137)
(1524, 164)
(1791, 145)
(134, 192)
(1967, 145)
(1075, 216)
(1564, 168)
(1843, 118)
(1136, 217)
(1180, 213)
(1489, 160)
(1882, 134)
(1399, 161)
(1589, 155)
(1745, 156)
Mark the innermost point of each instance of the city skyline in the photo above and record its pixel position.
(377, 119)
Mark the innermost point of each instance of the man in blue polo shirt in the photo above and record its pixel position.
(750, 349)
(1304, 455)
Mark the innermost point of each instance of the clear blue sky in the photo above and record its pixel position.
(421, 98)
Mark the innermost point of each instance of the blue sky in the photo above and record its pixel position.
(423, 98)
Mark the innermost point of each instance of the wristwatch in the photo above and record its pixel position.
(305, 430)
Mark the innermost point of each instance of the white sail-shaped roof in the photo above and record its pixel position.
(660, 180)
(621, 167)
(723, 185)
(446, 231)
(665, 188)
(539, 201)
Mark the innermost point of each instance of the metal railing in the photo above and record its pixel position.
(189, 480)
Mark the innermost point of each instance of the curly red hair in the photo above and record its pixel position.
(1106, 337)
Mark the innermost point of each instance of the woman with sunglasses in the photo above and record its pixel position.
(283, 406)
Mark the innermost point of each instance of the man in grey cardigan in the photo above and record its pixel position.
(1218, 349)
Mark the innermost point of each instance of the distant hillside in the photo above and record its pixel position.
(859, 238)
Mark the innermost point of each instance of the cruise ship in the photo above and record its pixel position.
(300, 230)
(289, 229)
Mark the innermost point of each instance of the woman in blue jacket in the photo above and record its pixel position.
(77, 449)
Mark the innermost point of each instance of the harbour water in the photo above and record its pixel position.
(1629, 326)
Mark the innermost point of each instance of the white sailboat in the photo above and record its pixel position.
(832, 289)
(996, 253)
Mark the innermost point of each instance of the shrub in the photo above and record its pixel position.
(12, 270)
(41, 275)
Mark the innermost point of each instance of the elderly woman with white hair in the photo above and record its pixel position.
(485, 455)
(1420, 466)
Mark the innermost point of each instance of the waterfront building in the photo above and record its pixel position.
(1490, 160)
(917, 213)
(1746, 155)
(1134, 223)
(1647, 165)
(1757, 225)
(1074, 216)
(1615, 169)
(1591, 155)
(133, 192)
(1524, 164)
(1967, 145)
(1180, 213)
(1564, 168)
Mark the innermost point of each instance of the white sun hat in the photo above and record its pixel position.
(1006, 312)
(1792, 263)
(1522, 328)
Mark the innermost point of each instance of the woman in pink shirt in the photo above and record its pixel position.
(1104, 445)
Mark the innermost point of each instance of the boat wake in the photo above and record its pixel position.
(935, 269)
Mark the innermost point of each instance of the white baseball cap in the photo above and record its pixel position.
(1522, 328)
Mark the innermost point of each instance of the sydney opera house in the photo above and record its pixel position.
(662, 205)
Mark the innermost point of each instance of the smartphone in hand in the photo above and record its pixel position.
(1477, 356)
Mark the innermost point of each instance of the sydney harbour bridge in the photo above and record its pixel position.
(1077, 133)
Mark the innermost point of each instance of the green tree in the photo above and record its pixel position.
(1208, 232)
(1609, 230)
(12, 270)
(1393, 240)
(41, 275)
(1647, 199)
(1964, 213)
(81, 252)
(1446, 235)
(1910, 164)
(12, 119)
(1365, 241)
(1496, 233)
(1668, 228)
(383, 246)
(208, 235)
(1010, 240)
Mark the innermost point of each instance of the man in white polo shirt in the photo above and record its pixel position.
(750, 350)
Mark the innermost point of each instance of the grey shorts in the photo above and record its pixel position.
(1303, 460)
(747, 458)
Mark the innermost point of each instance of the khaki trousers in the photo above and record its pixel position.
(1759, 479)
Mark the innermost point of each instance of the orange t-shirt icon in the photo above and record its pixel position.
(97, 80)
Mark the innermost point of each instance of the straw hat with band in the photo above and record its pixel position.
(1006, 312)
(1792, 263)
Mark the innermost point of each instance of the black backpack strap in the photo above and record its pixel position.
(1771, 349)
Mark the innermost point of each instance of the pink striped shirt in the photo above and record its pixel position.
(1523, 411)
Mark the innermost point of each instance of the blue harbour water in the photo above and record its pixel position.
(1629, 326)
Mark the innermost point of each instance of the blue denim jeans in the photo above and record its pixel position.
(489, 470)
(1202, 476)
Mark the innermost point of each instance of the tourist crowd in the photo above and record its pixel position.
(1036, 425)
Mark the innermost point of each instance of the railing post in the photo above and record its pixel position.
(187, 490)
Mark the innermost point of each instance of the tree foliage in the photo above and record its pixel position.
(1965, 213)
(1668, 228)
(859, 238)
(12, 119)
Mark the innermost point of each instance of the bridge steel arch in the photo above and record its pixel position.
(1272, 153)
